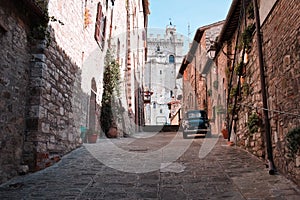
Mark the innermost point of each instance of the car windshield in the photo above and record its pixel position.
(196, 114)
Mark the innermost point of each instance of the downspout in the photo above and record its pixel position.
(196, 95)
(263, 91)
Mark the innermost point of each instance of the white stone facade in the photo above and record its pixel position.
(165, 53)
(125, 25)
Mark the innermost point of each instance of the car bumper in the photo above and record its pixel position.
(196, 130)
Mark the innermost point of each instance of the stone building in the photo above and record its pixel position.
(165, 52)
(203, 86)
(278, 66)
(52, 70)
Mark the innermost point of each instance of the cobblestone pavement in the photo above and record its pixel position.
(227, 172)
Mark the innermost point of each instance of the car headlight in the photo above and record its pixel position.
(186, 124)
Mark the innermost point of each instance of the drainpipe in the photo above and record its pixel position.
(196, 95)
(264, 92)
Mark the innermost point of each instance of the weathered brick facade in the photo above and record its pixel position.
(280, 40)
(202, 79)
(233, 81)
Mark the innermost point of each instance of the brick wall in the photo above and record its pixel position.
(281, 49)
(282, 62)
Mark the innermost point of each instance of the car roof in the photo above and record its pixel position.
(196, 111)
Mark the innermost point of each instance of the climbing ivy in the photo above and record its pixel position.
(39, 28)
(293, 141)
(247, 35)
(253, 123)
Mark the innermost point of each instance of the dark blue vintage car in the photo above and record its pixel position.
(195, 122)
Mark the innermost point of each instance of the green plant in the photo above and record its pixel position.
(253, 123)
(209, 92)
(246, 89)
(220, 109)
(247, 35)
(250, 11)
(293, 141)
(233, 91)
(238, 68)
(39, 29)
(230, 109)
(110, 110)
(215, 84)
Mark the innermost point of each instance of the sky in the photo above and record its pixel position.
(183, 13)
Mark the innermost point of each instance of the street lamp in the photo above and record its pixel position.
(211, 52)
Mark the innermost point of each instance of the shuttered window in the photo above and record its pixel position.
(100, 26)
(98, 23)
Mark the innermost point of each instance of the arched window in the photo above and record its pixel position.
(171, 59)
(158, 48)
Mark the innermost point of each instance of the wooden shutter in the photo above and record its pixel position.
(98, 36)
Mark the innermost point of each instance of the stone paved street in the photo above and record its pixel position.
(225, 173)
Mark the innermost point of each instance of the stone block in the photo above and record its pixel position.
(298, 161)
(45, 127)
(39, 57)
(23, 169)
(32, 124)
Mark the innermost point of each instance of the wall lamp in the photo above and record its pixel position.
(214, 48)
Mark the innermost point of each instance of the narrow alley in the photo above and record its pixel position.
(100, 99)
(225, 173)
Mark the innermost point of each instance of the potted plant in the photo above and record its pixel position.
(92, 136)
(224, 131)
(113, 131)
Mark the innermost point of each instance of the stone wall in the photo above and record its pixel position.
(42, 104)
(51, 129)
(14, 80)
(282, 62)
(281, 49)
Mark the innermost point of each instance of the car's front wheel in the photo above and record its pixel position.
(185, 135)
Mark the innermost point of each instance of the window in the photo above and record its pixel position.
(160, 71)
(158, 48)
(161, 111)
(98, 22)
(171, 59)
(100, 26)
(106, 4)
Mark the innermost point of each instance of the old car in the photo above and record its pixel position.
(195, 122)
